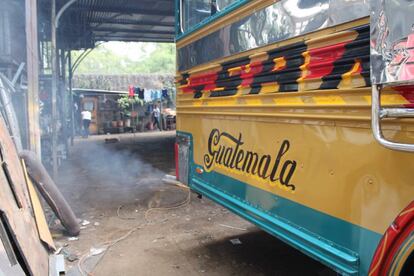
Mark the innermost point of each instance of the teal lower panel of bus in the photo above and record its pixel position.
(345, 247)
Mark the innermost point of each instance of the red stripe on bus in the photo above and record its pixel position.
(322, 60)
(206, 81)
(187, 90)
(247, 74)
(408, 93)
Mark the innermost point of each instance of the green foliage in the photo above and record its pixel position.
(138, 58)
(125, 103)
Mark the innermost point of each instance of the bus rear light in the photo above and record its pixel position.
(199, 170)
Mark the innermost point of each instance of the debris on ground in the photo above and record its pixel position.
(96, 224)
(85, 222)
(233, 227)
(169, 176)
(73, 238)
(171, 181)
(72, 258)
(68, 255)
(235, 241)
(97, 251)
(111, 140)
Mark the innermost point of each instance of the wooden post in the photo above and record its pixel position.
(72, 111)
(55, 81)
(32, 43)
(64, 97)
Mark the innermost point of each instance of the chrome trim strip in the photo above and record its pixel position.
(397, 113)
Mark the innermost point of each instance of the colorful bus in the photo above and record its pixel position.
(297, 116)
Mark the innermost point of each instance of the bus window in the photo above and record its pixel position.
(194, 11)
(222, 4)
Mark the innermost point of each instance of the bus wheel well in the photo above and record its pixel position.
(408, 266)
(395, 252)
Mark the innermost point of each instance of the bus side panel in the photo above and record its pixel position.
(326, 194)
(281, 136)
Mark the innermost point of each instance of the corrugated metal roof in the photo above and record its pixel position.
(89, 21)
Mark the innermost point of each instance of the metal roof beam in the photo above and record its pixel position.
(125, 10)
(154, 36)
(138, 39)
(132, 22)
(121, 37)
(118, 30)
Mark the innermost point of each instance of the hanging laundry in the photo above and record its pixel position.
(136, 91)
(141, 93)
(155, 95)
(131, 91)
(147, 95)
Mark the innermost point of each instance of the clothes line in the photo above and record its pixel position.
(148, 95)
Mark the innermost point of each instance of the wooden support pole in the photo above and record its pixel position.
(32, 43)
(64, 97)
(72, 111)
(55, 82)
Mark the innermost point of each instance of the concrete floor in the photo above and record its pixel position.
(113, 185)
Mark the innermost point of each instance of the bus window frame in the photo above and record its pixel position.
(179, 30)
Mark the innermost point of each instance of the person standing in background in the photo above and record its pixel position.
(156, 112)
(86, 121)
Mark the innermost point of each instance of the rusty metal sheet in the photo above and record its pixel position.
(16, 212)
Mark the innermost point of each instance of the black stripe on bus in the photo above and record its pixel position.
(353, 51)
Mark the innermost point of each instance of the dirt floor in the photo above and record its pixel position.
(115, 189)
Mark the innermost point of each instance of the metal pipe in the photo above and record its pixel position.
(80, 59)
(18, 73)
(397, 113)
(13, 124)
(62, 10)
(55, 18)
(72, 69)
(376, 123)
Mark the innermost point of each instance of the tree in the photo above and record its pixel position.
(109, 59)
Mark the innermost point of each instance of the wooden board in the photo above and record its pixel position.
(41, 223)
(17, 212)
